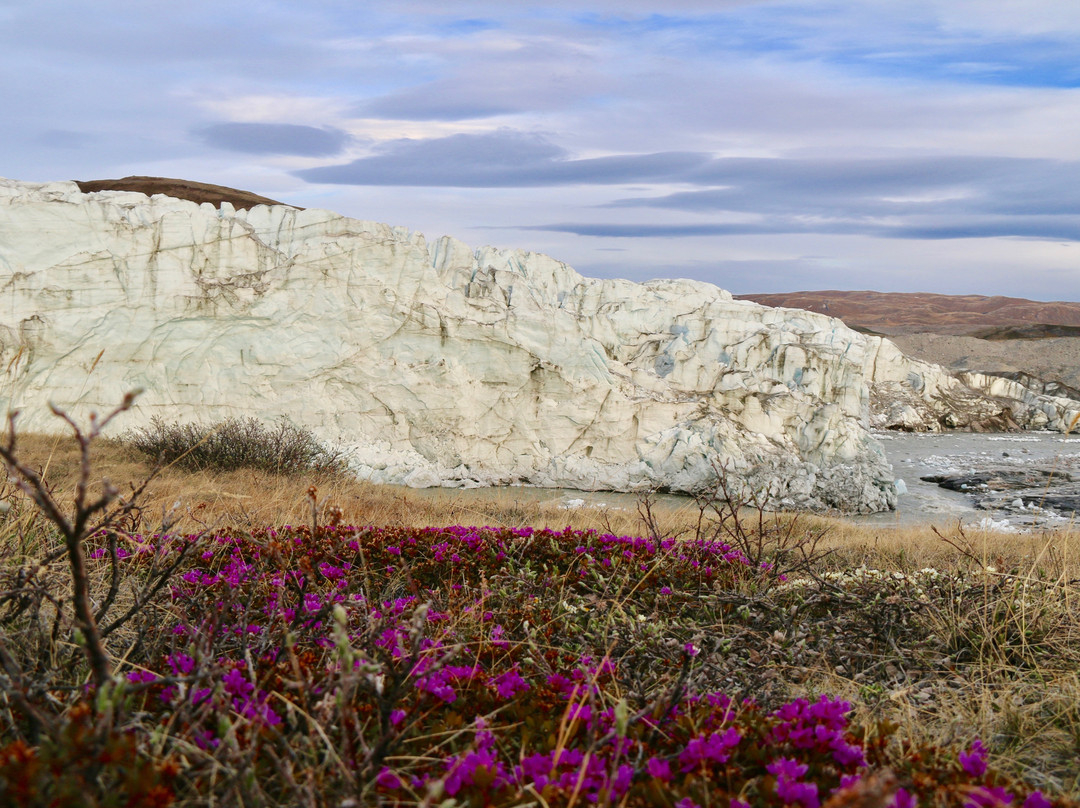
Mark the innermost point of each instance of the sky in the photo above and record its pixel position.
(764, 146)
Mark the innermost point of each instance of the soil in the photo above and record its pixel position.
(181, 189)
(1047, 359)
(897, 313)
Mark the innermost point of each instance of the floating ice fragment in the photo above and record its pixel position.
(996, 525)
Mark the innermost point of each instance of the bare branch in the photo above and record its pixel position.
(75, 528)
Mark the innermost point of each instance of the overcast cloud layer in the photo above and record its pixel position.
(915, 145)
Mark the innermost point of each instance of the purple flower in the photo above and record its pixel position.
(257, 710)
(509, 683)
(461, 769)
(199, 695)
(1037, 800)
(715, 747)
(387, 779)
(623, 778)
(737, 803)
(846, 754)
(182, 664)
(902, 799)
(786, 767)
(792, 791)
(974, 760)
(236, 684)
(396, 717)
(984, 797)
(848, 780)
(686, 802)
(788, 787)
(661, 769)
(580, 711)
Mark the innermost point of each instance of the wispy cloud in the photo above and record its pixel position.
(1040, 227)
(499, 160)
(880, 187)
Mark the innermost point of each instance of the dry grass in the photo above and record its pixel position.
(248, 498)
(999, 662)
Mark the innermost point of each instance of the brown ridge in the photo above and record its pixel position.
(900, 312)
(181, 189)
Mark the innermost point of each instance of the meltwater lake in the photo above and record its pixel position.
(1003, 481)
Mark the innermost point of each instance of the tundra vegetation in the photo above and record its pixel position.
(276, 633)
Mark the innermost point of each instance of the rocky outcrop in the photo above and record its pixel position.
(437, 364)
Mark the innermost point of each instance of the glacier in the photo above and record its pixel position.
(439, 365)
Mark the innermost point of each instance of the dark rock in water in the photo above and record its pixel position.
(996, 479)
(957, 482)
(1062, 503)
(1045, 489)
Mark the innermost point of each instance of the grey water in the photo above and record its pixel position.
(1051, 455)
(913, 456)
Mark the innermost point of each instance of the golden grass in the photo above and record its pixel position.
(247, 498)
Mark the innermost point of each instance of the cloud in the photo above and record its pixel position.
(500, 159)
(483, 73)
(876, 187)
(275, 138)
(932, 198)
(1052, 228)
(924, 197)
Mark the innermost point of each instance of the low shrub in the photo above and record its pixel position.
(235, 443)
(493, 667)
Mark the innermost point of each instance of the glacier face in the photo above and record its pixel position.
(434, 363)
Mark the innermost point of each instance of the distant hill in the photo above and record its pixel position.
(907, 313)
(181, 189)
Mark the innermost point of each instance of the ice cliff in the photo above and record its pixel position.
(440, 365)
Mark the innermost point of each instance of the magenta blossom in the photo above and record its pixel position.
(660, 769)
(509, 683)
(989, 797)
(902, 799)
(788, 787)
(714, 747)
(974, 760)
(387, 779)
(786, 767)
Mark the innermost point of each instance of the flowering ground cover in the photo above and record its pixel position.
(726, 664)
(472, 665)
